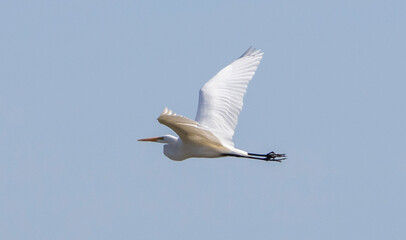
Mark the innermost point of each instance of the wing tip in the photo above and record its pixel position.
(252, 51)
(165, 111)
(168, 112)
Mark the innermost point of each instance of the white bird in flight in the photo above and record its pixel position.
(210, 135)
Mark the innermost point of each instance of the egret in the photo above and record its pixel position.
(220, 102)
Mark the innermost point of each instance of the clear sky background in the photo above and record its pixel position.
(81, 81)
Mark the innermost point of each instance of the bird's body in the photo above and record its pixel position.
(195, 140)
(220, 102)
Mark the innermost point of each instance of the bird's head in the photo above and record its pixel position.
(163, 139)
(170, 148)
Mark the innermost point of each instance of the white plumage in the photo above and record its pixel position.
(220, 103)
(221, 98)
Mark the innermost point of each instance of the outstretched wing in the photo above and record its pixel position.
(188, 130)
(221, 98)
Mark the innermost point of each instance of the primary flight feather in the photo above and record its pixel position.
(210, 135)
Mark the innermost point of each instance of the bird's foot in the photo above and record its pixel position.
(276, 157)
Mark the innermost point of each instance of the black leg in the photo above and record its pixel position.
(272, 156)
(275, 157)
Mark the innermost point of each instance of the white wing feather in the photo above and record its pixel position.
(221, 98)
(188, 130)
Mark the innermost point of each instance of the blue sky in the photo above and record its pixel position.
(81, 81)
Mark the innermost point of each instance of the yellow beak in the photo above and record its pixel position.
(154, 139)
